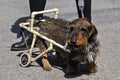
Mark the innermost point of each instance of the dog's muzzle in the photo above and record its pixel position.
(71, 47)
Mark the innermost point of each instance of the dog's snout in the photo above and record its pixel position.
(73, 40)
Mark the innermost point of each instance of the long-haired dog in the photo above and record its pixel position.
(83, 45)
(80, 37)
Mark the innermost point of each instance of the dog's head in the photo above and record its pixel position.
(81, 34)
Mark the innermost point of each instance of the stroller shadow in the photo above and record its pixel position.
(16, 28)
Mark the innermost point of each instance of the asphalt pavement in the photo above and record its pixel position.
(106, 17)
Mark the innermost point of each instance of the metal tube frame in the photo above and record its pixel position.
(36, 33)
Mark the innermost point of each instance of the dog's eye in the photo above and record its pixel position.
(84, 29)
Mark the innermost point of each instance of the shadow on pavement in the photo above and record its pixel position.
(52, 61)
(16, 28)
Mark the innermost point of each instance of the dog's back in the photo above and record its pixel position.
(55, 29)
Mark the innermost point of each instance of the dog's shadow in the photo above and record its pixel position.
(52, 61)
(83, 71)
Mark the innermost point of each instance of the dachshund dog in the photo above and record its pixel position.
(80, 37)
(83, 45)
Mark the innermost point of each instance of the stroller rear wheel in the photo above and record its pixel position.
(25, 60)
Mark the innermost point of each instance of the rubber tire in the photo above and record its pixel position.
(25, 60)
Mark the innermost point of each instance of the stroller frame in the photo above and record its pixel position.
(26, 58)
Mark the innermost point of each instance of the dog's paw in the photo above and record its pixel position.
(47, 69)
(46, 65)
(93, 68)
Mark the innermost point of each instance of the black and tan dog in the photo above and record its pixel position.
(81, 38)
(83, 45)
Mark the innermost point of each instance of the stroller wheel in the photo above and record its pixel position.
(25, 60)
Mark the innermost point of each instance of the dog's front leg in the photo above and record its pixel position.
(91, 67)
(46, 64)
(72, 68)
(42, 44)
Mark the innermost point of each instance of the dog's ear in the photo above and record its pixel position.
(93, 34)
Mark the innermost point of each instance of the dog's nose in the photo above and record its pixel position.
(73, 40)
